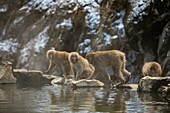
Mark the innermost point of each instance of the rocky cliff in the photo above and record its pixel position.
(140, 28)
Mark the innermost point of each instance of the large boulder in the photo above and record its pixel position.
(6, 73)
(31, 77)
(152, 84)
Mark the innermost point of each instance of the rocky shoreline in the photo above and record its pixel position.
(33, 78)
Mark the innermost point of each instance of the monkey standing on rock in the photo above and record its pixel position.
(81, 68)
(113, 58)
(59, 58)
(152, 69)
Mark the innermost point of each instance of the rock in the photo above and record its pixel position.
(87, 83)
(129, 86)
(152, 84)
(165, 91)
(6, 73)
(58, 80)
(164, 42)
(77, 83)
(32, 77)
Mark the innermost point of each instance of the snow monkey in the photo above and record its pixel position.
(80, 66)
(59, 58)
(114, 59)
(152, 69)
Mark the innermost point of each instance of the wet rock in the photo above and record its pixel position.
(166, 91)
(6, 73)
(77, 84)
(59, 80)
(152, 84)
(87, 83)
(32, 77)
(129, 86)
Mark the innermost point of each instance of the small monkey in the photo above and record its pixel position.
(59, 58)
(152, 69)
(80, 66)
(114, 59)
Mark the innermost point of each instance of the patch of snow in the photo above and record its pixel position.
(81, 45)
(120, 21)
(52, 48)
(9, 45)
(35, 44)
(93, 17)
(87, 49)
(87, 41)
(67, 23)
(18, 19)
(23, 8)
(108, 38)
(41, 5)
(137, 8)
(80, 51)
(4, 8)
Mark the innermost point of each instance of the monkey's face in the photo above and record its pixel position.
(50, 55)
(74, 58)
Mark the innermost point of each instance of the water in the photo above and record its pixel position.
(52, 99)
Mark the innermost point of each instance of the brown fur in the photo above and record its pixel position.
(152, 69)
(59, 58)
(81, 68)
(113, 58)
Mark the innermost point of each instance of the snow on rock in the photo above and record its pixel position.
(18, 20)
(108, 38)
(4, 8)
(41, 5)
(9, 45)
(35, 44)
(85, 46)
(67, 23)
(138, 8)
(87, 41)
(120, 21)
(87, 49)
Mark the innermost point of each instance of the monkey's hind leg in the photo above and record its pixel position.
(126, 74)
(120, 78)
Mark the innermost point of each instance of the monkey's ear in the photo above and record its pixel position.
(90, 57)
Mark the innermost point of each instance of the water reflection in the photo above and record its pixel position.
(111, 100)
(65, 99)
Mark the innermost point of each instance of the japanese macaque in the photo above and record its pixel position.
(152, 69)
(59, 58)
(80, 66)
(114, 59)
